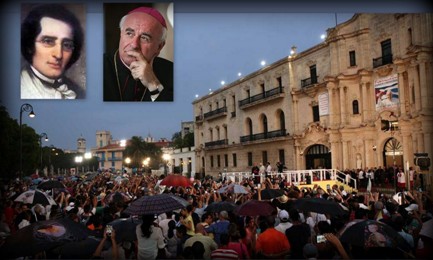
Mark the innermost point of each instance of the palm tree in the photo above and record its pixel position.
(138, 150)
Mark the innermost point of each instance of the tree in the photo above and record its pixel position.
(188, 140)
(138, 150)
(10, 147)
(181, 142)
(177, 140)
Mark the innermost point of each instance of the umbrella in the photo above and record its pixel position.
(319, 205)
(220, 206)
(37, 181)
(125, 228)
(156, 204)
(176, 180)
(51, 184)
(117, 197)
(268, 194)
(233, 188)
(35, 197)
(90, 176)
(373, 234)
(256, 208)
(427, 229)
(82, 249)
(41, 236)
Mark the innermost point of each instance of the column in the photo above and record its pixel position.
(365, 99)
(335, 156)
(296, 113)
(420, 142)
(416, 85)
(402, 86)
(425, 99)
(332, 108)
(369, 153)
(345, 156)
(342, 105)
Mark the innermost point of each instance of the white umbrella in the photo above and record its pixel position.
(35, 197)
(427, 229)
(233, 188)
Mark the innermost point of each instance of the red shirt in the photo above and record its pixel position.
(272, 242)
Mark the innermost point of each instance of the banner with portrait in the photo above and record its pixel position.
(386, 92)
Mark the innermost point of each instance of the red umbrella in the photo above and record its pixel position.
(256, 208)
(176, 180)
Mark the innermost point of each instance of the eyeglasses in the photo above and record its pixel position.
(49, 42)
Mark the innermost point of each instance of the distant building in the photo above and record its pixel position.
(110, 152)
(187, 127)
(81, 145)
(183, 160)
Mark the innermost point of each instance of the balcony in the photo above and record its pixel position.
(216, 113)
(262, 97)
(263, 136)
(199, 119)
(308, 82)
(114, 159)
(216, 143)
(386, 59)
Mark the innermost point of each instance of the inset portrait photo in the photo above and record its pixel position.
(53, 62)
(138, 58)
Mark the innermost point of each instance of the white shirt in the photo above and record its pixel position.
(33, 87)
(148, 247)
(269, 169)
(283, 226)
(401, 178)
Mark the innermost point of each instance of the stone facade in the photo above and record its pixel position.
(324, 107)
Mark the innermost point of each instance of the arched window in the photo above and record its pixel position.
(250, 126)
(282, 121)
(355, 107)
(265, 124)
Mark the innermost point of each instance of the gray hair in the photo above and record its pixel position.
(164, 30)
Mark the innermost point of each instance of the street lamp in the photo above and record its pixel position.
(40, 143)
(146, 164)
(88, 156)
(78, 160)
(27, 108)
(166, 157)
(127, 161)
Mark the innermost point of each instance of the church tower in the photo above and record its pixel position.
(81, 145)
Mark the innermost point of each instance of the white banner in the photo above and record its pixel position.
(323, 104)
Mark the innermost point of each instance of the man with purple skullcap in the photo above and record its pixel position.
(134, 72)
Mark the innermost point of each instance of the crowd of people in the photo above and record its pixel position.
(193, 232)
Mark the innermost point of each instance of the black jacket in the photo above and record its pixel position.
(133, 89)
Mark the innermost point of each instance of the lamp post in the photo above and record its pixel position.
(27, 108)
(127, 161)
(88, 156)
(40, 143)
(166, 157)
(78, 160)
(146, 164)
(52, 150)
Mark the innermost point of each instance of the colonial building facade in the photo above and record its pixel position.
(326, 107)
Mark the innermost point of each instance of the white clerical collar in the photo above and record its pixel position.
(42, 77)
